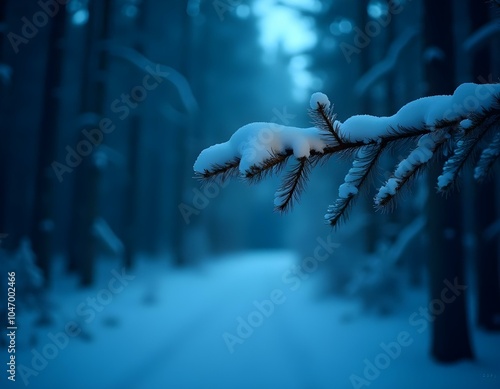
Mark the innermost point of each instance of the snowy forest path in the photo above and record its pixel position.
(236, 291)
(309, 341)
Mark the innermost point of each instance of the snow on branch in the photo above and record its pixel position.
(458, 122)
(427, 147)
(475, 129)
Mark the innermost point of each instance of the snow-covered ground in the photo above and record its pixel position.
(169, 328)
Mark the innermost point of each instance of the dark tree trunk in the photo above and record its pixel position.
(487, 254)
(450, 335)
(4, 88)
(183, 142)
(87, 174)
(43, 221)
(22, 91)
(366, 107)
(132, 192)
(392, 102)
(132, 230)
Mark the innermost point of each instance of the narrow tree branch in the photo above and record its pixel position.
(292, 186)
(359, 172)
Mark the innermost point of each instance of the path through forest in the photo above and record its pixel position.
(165, 330)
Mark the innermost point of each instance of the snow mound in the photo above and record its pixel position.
(319, 98)
(253, 143)
(426, 111)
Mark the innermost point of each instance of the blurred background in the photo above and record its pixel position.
(129, 274)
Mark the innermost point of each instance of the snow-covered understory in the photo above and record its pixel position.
(165, 330)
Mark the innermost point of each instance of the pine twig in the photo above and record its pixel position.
(361, 168)
(407, 171)
(475, 129)
(487, 159)
(324, 119)
(219, 173)
(292, 187)
(272, 165)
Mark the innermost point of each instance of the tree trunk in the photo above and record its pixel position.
(132, 194)
(4, 145)
(183, 142)
(450, 335)
(135, 129)
(87, 174)
(487, 254)
(43, 222)
(366, 106)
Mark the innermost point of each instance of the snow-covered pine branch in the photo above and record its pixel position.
(458, 122)
(475, 130)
